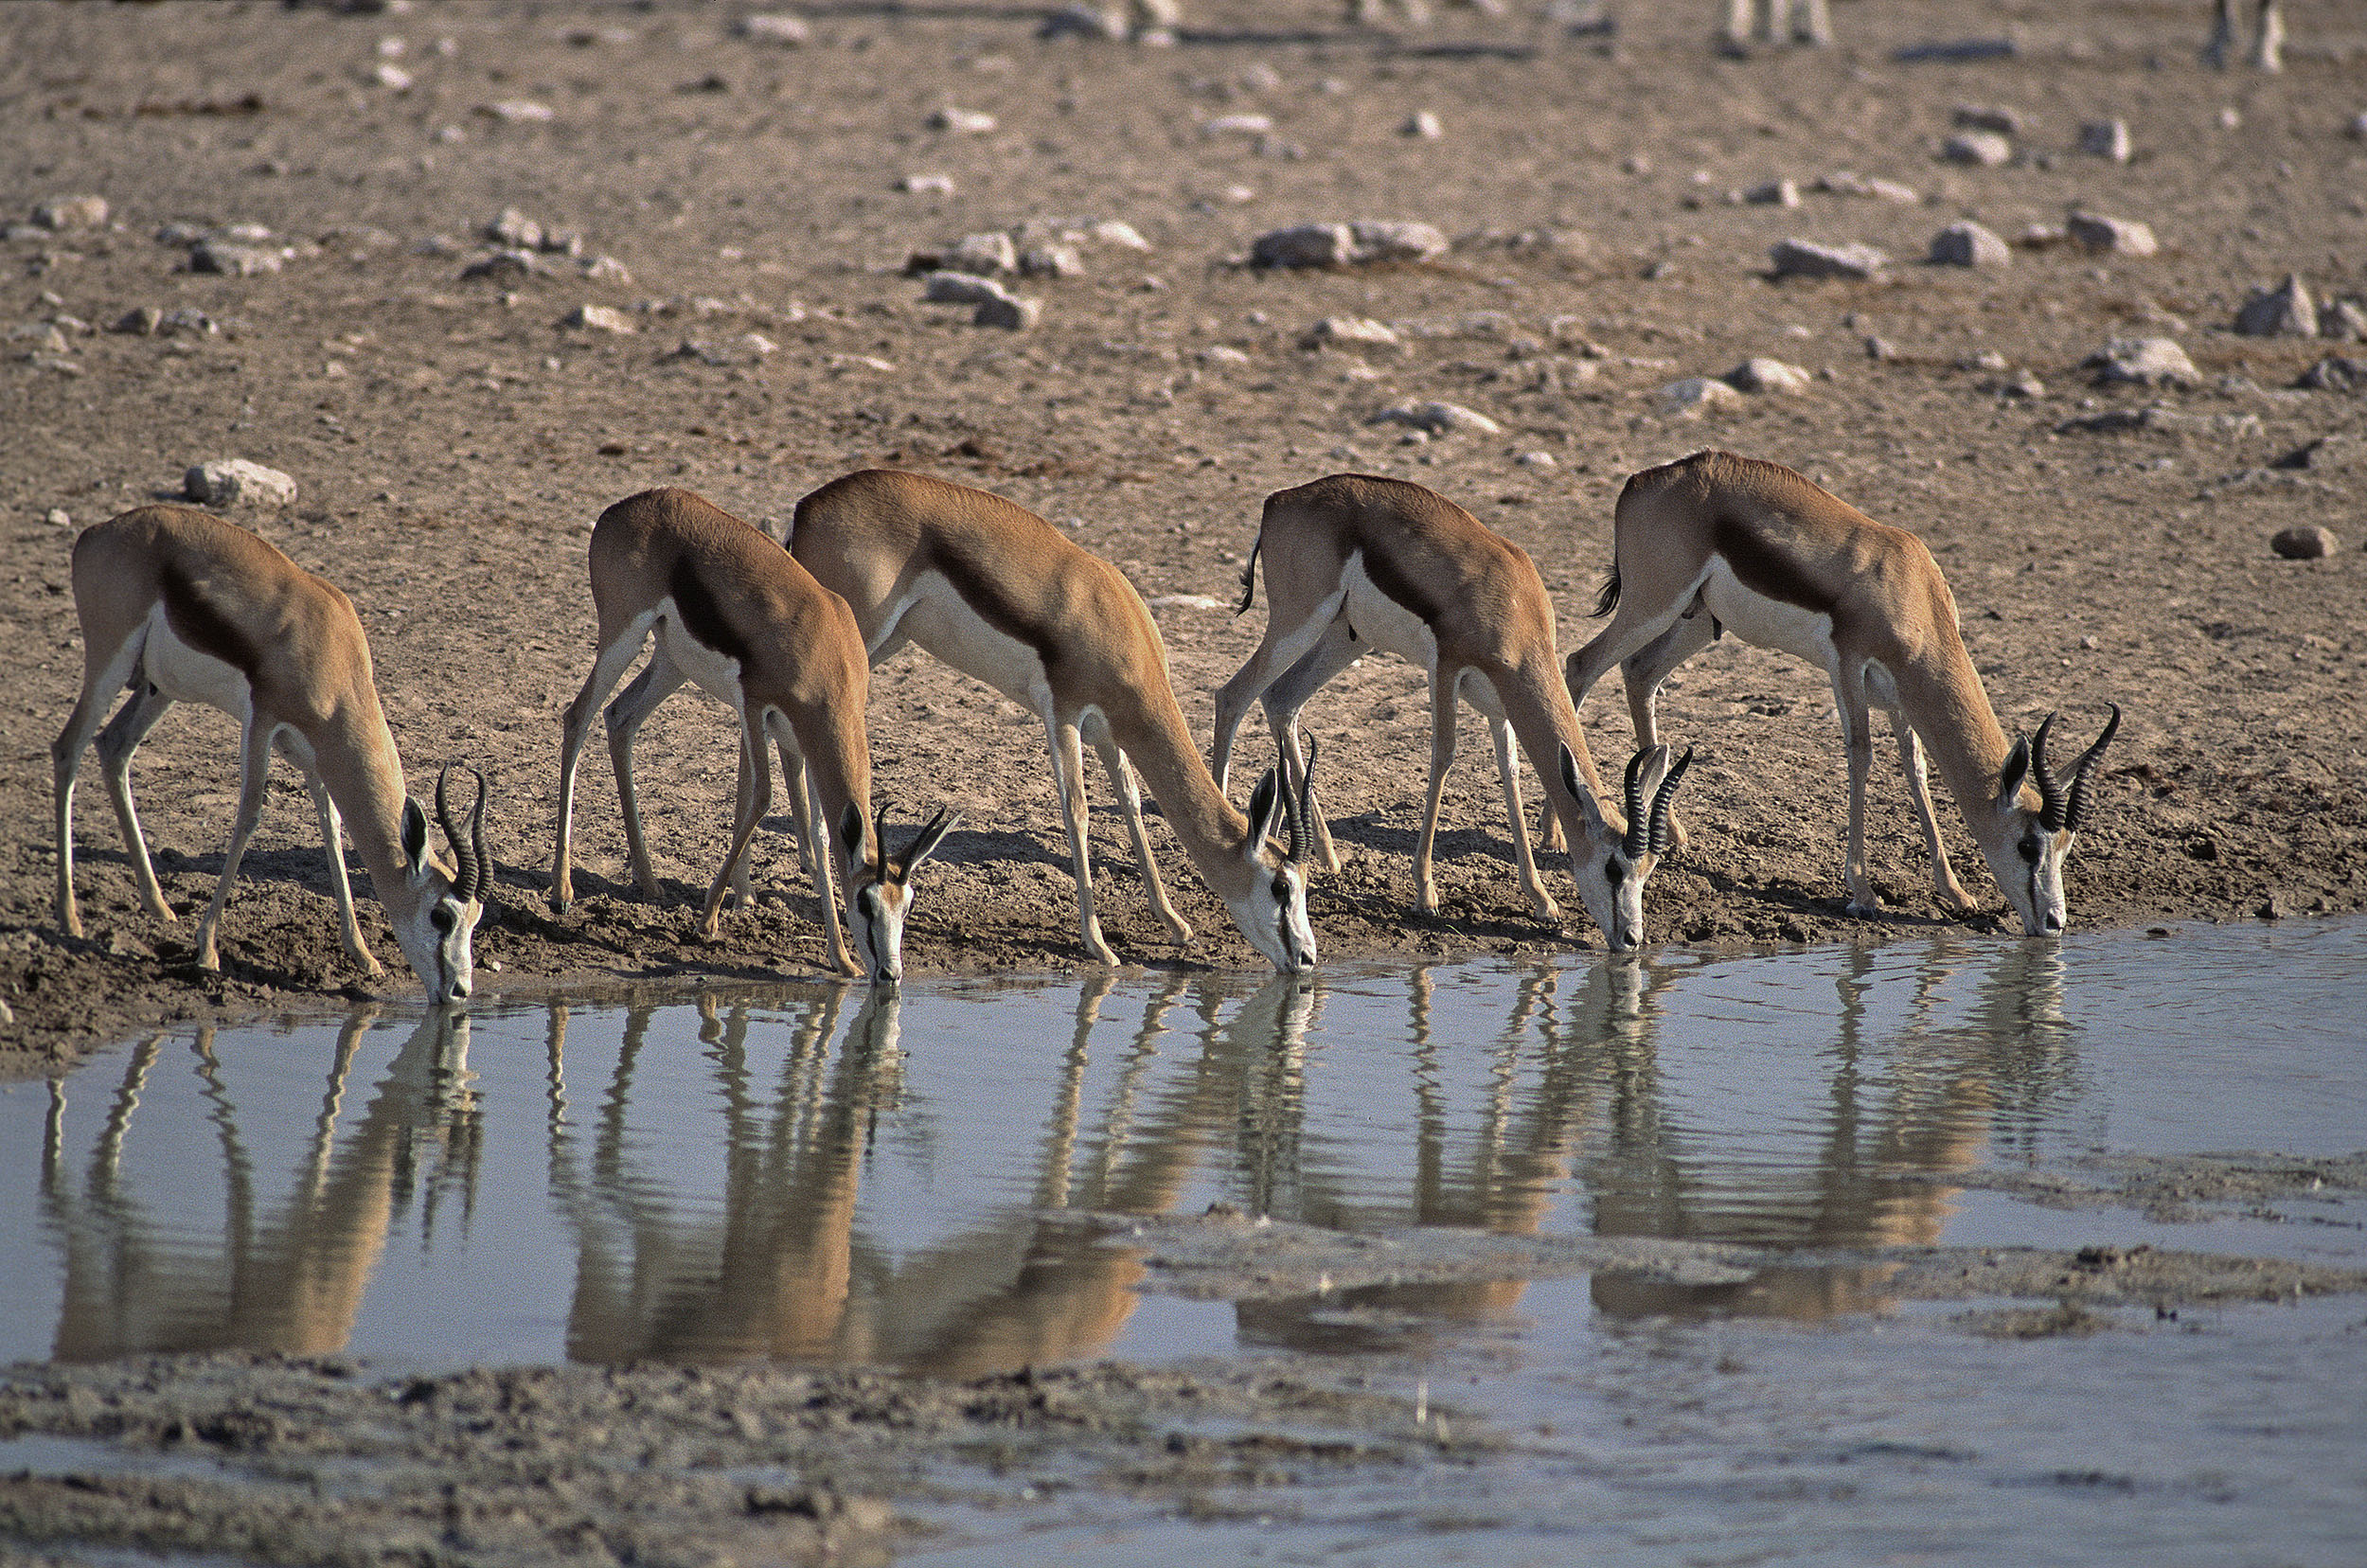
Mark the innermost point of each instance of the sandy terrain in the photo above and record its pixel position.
(452, 440)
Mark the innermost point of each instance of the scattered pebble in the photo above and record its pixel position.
(1783, 194)
(1693, 396)
(140, 321)
(2006, 122)
(2343, 320)
(1422, 125)
(2286, 311)
(1361, 331)
(1053, 261)
(1979, 148)
(959, 288)
(1007, 312)
(985, 255)
(2334, 373)
(2308, 542)
(1439, 418)
(222, 256)
(775, 27)
(1762, 374)
(391, 76)
(962, 122)
(1970, 244)
(748, 348)
(926, 185)
(1118, 233)
(599, 318)
(2106, 139)
(235, 481)
(1078, 20)
(61, 213)
(2110, 236)
(1801, 259)
(1344, 245)
(518, 111)
(504, 266)
(60, 518)
(1238, 125)
(1843, 183)
(1959, 51)
(2143, 362)
(1538, 460)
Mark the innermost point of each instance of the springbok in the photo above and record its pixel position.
(1715, 543)
(180, 606)
(734, 614)
(1004, 596)
(1810, 22)
(1356, 565)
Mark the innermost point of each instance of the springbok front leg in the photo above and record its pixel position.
(254, 773)
(334, 843)
(1129, 794)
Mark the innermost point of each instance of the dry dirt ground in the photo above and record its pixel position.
(452, 439)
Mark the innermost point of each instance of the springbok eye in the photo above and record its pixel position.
(441, 918)
(1613, 872)
(2029, 849)
(1282, 890)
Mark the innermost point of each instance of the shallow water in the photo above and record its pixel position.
(830, 1175)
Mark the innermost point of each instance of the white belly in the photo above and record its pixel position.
(716, 674)
(1766, 622)
(1384, 625)
(186, 675)
(937, 618)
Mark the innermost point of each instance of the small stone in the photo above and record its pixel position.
(61, 213)
(1011, 314)
(504, 266)
(391, 76)
(38, 337)
(606, 269)
(141, 321)
(2006, 122)
(2356, 129)
(188, 318)
(1763, 374)
(220, 256)
(985, 255)
(1078, 20)
(2309, 541)
(1979, 148)
(1238, 125)
(1118, 233)
(2110, 236)
(1783, 194)
(1693, 396)
(2286, 311)
(1304, 246)
(1970, 244)
(514, 230)
(235, 481)
(2334, 373)
(1958, 51)
(962, 122)
(1051, 262)
(2022, 385)
(2143, 362)
(1801, 259)
(59, 517)
(926, 185)
(775, 27)
(1362, 332)
(956, 288)
(1879, 348)
(1393, 240)
(2343, 320)
(1439, 418)
(1422, 125)
(518, 111)
(1223, 353)
(1538, 460)
(2106, 139)
(599, 318)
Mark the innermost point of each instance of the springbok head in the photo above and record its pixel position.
(879, 894)
(434, 918)
(1271, 909)
(1611, 865)
(2026, 848)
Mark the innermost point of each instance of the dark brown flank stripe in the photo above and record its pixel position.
(1397, 585)
(203, 627)
(1766, 572)
(977, 587)
(701, 616)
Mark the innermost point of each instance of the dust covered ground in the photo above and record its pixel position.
(452, 440)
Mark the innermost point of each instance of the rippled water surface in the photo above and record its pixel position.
(827, 1175)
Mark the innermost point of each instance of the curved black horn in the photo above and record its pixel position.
(483, 876)
(462, 857)
(2076, 810)
(1659, 835)
(879, 843)
(2051, 808)
(1302, 815)
(1638, 838)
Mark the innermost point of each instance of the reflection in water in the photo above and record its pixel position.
(744, 1196)
(289, 1271)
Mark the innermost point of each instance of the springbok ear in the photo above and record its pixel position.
(925, 843)
(1265, 808)
(1577, 786)
(414, 836)
(2011, 777)
(850, 831)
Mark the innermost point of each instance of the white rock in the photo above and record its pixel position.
(1078, 20)
(220, 256)
(1361, 331)
(1117, 232)
(1053, 261)
(606, 269)
(1305, 245)
(514, 230)
(1011, 314)
(1238, 125)
(1693, 396)
(2143, 362)
(2103, 235)
(1396, 241)
(953, 288)
(1439, 418)
(2343, 320)
(60, 213)
(775, 27)
(2106, 139)
(1223, 353)
(1801, 259)
(982, 255)
(1762, 374)
(233, 481)
(1981, 149)
(1968, 245)
(962, 122)
(2286, 311)
(1422, 125)
(392, 76)
(518, 111)
(1538, 460)
(38, 337)
(59, 517)
(927, 185)
(599, 318)
(1783, 194)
